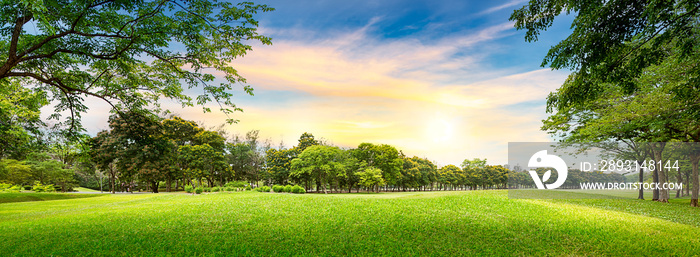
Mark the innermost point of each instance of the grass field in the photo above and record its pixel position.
(420, 223)
(30, 197)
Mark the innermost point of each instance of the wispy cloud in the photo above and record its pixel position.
(501, 7)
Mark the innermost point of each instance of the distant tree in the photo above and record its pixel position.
(137, 146)
(15, 172)
(450, 176)
(473, 163)
(323, 163)
(278, 164)
(384, 157)
(371, 178)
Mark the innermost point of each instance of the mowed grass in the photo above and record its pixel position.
(472, 223)
(12, 197)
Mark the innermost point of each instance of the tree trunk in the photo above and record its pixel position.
(679, 176)
(687, 180)
(168, 184)
(662, 176)
(694, 157)
(154, 186)
(641, 180)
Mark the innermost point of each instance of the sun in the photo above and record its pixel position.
(440, 130)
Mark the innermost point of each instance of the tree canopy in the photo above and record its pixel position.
(128, 53)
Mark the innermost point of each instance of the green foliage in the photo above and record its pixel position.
(15, 172)
(277, 188)
(207, 189)
(229, 189)
(38, 187)
(248, 188)
(385, 157)
(198, 190)
(215, 189)
(298, 189)
(236, 184)
(20, 121)
(189, 189)
(71, 50)
(262, 189)
(611, 42)
(371, 178)
(287, 189)
(323, 163)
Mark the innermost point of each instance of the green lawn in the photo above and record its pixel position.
(419, 223)
(12, 197)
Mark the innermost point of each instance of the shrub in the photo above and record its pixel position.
(4, 186)
(189, 189)
(265, 189)
(288, 188)
(298, 190)
(277, 188)
(16, 188)
(49, 188)
(198, 190)
(215, 189)
(229, 189)
(207, 189)
(38, 187)
(235, 184)
(248, 188)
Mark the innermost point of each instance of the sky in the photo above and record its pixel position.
(443, 80)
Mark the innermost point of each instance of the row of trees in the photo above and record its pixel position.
(178, 152)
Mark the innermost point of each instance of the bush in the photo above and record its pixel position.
(49, 188)
(198, 190)
(38, 187)
(189, 189)
(248, 188)
(4, 186)
(207, 189)
(229, 189)
(16, 188)
(215, 189)
(277, 188)
(298, 190)
(265, 189)
(235, 184)
(288, 188)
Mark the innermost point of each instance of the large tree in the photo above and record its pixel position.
(128, 53)
(611, 41)
(323, 163)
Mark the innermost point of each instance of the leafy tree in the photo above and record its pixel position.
(371, 178)
(450, 176)
(278, 164)
(20, 123)
(124, 52)
(15, 172)
(384, 157)
(323, 163)
(611, 41)
(473, 163)
(137, 148)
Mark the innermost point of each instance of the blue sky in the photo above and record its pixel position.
(446, 80)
